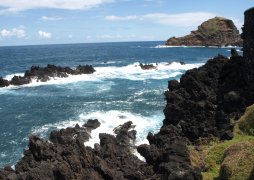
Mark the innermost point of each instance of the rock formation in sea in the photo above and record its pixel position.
(147, 66)
(218, 31)
(200, 106)
(44, 74)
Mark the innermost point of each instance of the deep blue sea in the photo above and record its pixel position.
(117, 92)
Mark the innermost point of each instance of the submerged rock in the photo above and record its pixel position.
(213, 32)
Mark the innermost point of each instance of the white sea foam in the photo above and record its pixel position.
(108, 62)
(109, 120)
(9, 77)
(238, 50)
(183, 46)
(164, 70)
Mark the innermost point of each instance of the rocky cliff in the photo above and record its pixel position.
(213, 32)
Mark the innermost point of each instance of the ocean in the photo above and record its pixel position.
(117, 92)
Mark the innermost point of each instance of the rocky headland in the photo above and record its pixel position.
(44, 74)
(218, 31)
(205, 105)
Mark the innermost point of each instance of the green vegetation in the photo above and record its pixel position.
(217, 154)
(246, 122)
(232, 159)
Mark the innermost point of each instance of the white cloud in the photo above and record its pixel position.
(51, 18)
(184, 19)
(11, 6)
(116, 36)
(108, 36)
(44, 34)
(121, 18)
(18, 32)
(70, 36)
(181, 20)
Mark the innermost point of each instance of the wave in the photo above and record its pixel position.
(133, 72)
(166, 46)
(238, 50)
(109, 120)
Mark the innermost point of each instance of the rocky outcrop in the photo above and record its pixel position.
(3, 82)
(44, 74)
(147, 66)
(213, 32)
(66, 157)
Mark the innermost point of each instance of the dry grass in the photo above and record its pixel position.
(232, 159)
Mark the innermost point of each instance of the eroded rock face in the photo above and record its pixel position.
(66, 157)
(44, 74)
(214, 32)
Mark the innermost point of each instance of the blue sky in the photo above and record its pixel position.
(25, 22)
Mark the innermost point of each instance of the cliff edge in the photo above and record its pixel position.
(217, 31)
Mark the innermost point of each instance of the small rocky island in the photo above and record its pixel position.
(218, 31)
(44, 74)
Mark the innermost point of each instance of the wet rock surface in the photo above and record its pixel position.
(44, 74)
(64, 156)
(147, 66)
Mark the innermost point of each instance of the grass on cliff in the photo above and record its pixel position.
(229, 159)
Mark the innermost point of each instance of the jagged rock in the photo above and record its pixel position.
(44, 74)
(124, 135)
(168, 154)
(41, 73)
(18, 80)
(84, 69)
(3, 82)
(66, 157)
(213, 32)
(92, 124)
(147, 66)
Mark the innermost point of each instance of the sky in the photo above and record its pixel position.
(31, 22)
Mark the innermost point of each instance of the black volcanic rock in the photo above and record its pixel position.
(19, 80)
(147, 66)
(92, 124)
(44, 74)
(213, 32)
(3, 82)
(66, 157)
